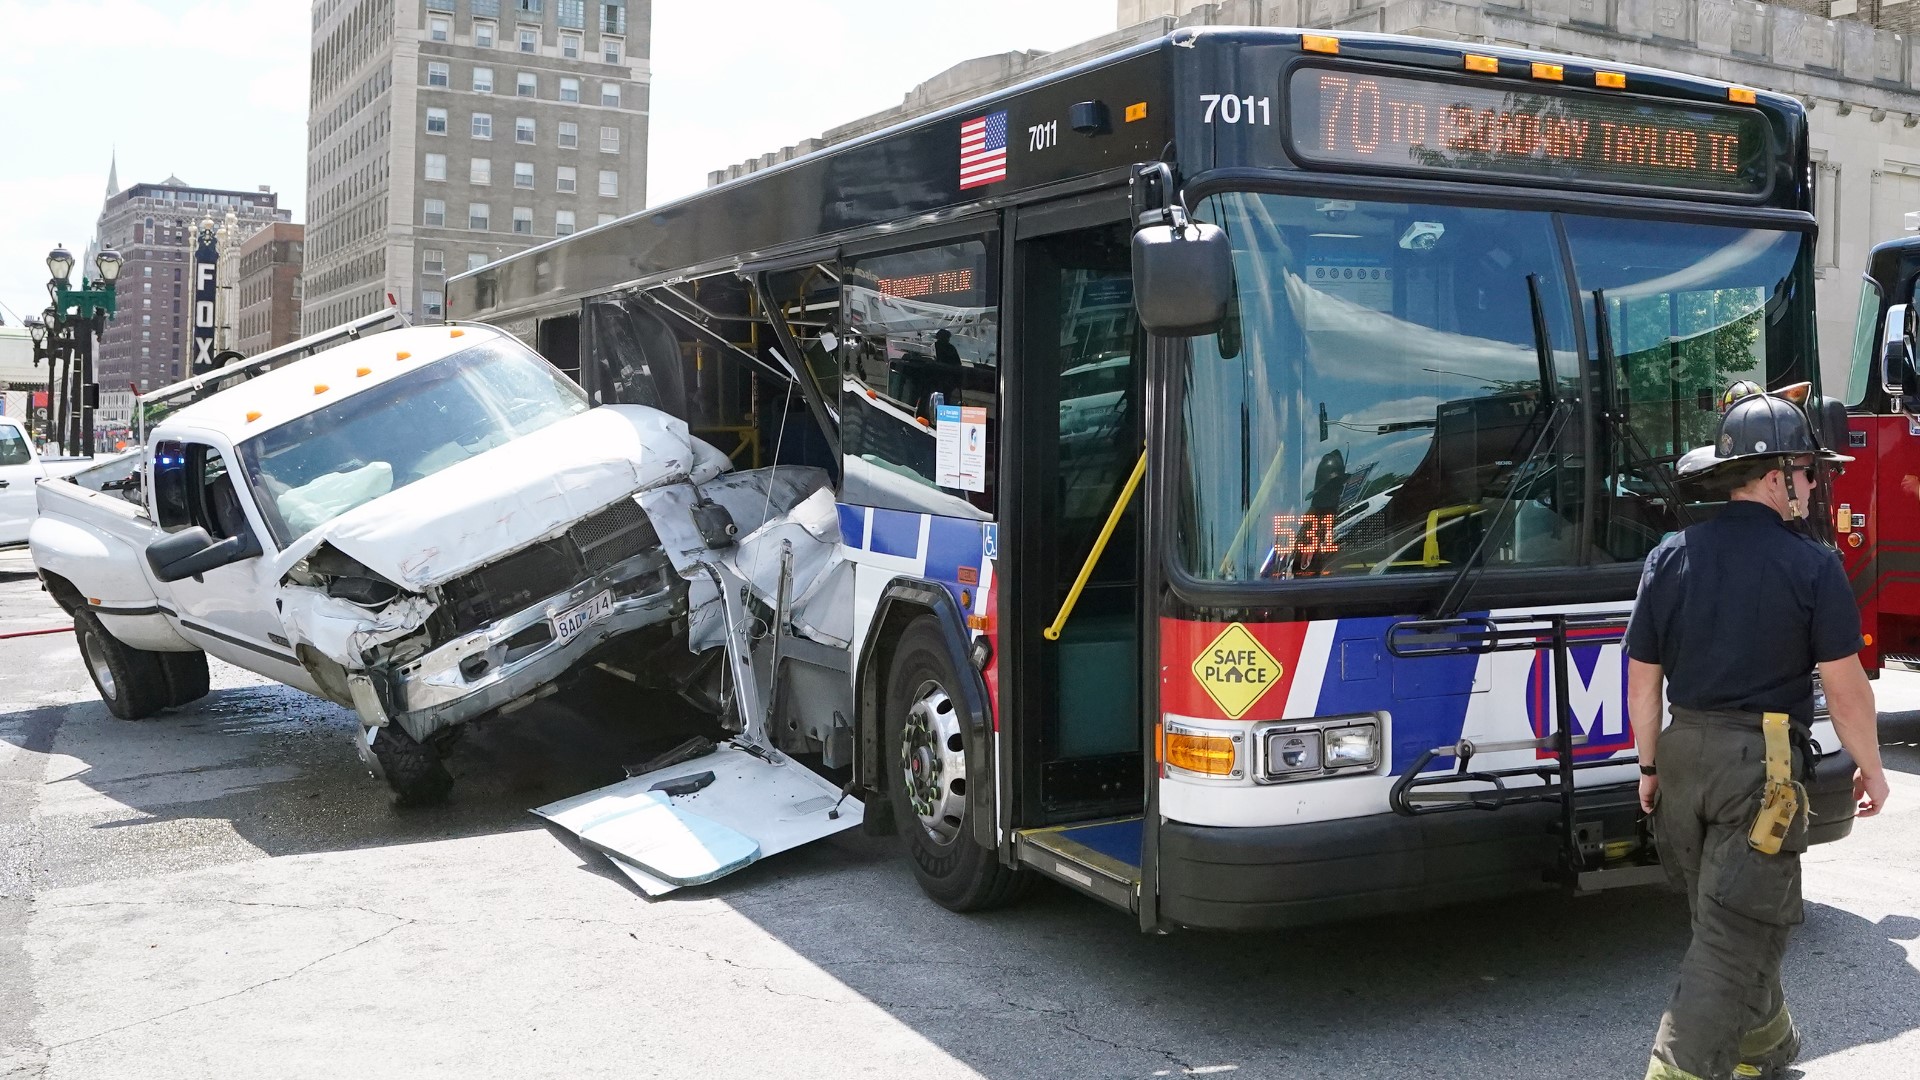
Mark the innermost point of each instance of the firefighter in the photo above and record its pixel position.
(1733, 616)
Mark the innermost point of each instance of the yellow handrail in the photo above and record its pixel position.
(1052, 633)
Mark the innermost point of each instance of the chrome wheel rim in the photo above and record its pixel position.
(97, 663)
(933, 763)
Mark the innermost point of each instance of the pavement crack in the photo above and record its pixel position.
(188, 901)
(1068, 1020)
(362, 943)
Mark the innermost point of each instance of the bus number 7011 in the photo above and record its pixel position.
(1231, 111)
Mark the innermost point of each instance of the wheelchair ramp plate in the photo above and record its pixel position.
(751, 808)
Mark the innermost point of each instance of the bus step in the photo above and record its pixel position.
(1618, 877)
(1100, 858)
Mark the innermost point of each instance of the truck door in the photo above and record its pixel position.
(228, 611)
(18, 471)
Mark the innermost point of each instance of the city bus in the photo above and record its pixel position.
(1246, 445)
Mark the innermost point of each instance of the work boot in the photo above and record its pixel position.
(1771, 1064)
(1660, 1070)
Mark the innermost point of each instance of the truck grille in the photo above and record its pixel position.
(596, 544)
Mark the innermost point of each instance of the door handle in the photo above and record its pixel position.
(4, 483)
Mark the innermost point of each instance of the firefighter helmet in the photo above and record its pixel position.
(1757, 426)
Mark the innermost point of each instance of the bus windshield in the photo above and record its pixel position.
(1375, 398)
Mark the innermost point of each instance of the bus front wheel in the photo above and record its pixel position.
(926, 757)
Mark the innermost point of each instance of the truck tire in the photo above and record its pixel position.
(131, 681)
(186, 673)
(411, 769)
(925, 729)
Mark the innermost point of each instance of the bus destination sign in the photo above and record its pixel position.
(1362, 119)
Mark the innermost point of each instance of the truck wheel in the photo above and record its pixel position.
(131, 681)
(925, 754)
(186, 673)
(411, 769)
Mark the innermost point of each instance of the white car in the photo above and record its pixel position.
(22, 467)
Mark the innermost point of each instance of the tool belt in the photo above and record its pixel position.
(1783, 798)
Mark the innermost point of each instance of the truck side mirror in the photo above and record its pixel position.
(1182, 278)
(192, 552)
(1897, 374)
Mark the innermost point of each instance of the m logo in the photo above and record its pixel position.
(1596, 695)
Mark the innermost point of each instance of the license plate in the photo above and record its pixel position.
(569, 623)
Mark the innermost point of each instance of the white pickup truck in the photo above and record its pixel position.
(426, 525)
(21, 468)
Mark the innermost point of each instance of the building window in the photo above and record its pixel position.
(483, 80)
(571, 14)
(529, 41)
(433, 261)
(145, 352)
(609, 140)
(440, 29)
(564, 180)
(436, 166)
(610, 94)
(570, 46)
(523, 174)
(527, 7)
(609, 183)
(563, 223)
(434, 212)
(605, 219)
(146, 320)
(569, 135)
(436, 121)
(523, 220)
(613, 16)
(147, 302)
(610, 50)
(146, 335)
(479, 216)
(526, 84)
(146, 271)
(438, 74)
(482, 125)
(480, 171)
(439, 5)
(475, 260)
(523, 129)
(569, 89)
(483, 34)
(431, 303)
(147, 286)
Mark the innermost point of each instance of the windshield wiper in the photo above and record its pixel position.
(1552, 409)
(1639, 460)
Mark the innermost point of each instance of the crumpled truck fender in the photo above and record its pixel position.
(342, 632)
(107, 573)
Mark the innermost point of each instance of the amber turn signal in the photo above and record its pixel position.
(1212, 755)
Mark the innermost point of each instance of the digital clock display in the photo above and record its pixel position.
(1442, 125)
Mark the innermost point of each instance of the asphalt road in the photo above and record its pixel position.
(222, 892)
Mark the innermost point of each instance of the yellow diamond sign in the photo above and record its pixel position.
(1236, 671)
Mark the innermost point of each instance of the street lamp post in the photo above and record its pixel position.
(37, 328)
(78, 316)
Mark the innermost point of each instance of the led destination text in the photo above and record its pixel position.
(1352, 119)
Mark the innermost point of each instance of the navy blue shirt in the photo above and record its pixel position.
(1739, 609)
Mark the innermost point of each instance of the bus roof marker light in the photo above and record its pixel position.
(1486, 65)
(1550, 72)
(1740, 95)
(1320, 43)
(1611, 80)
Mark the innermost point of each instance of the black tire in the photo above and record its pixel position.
(131, 681)
(412, 770)
(186, 674)
(953, 869)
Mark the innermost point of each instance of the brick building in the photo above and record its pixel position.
(267, 293)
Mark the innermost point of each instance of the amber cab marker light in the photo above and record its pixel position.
(363, 372)
(1486, 65)
(402, 355)
(319, 388)
(1741, 95)
(1211, 755)
(1551, 72)
(1612, 80)
(1320, 43)
(252, 416)
(455, 333)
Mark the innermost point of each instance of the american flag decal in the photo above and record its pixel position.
(983, 150)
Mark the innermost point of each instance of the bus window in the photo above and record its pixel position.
(808, 299)
(559, 342)
(632, 359)
(921, 349)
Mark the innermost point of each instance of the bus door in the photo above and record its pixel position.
(1077, 385)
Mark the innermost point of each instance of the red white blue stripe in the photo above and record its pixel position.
(983, 150)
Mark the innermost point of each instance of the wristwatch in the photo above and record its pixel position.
(1648, 770)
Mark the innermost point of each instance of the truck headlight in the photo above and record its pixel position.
(1352, 746)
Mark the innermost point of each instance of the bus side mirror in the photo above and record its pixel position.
(1897, 373)
(1182, 278)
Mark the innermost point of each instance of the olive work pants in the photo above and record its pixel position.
(1728, 1006)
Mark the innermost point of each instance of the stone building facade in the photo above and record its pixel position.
(267, 294)
(445, 134)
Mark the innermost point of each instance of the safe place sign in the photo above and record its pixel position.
(1236, 671)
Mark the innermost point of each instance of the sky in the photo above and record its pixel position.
(215, 91)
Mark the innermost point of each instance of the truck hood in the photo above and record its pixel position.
(537, 486)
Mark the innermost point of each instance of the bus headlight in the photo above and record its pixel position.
(1358, 745)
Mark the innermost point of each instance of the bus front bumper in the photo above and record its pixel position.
(1319, 872)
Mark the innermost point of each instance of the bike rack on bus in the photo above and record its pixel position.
(1556, 779)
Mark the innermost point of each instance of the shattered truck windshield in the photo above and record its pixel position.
(1375, 398)
(307, 472)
